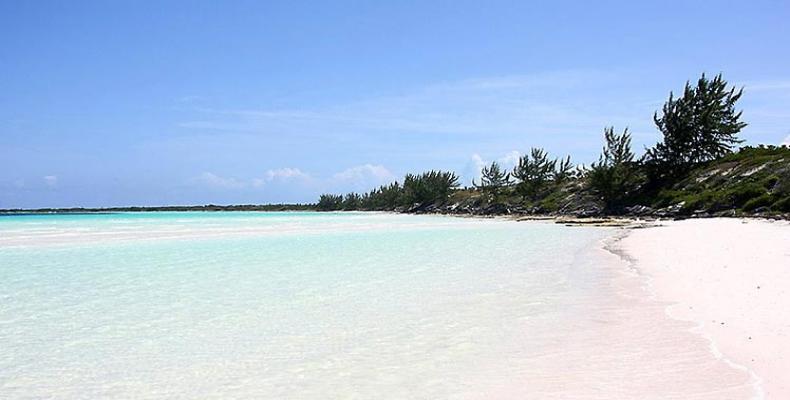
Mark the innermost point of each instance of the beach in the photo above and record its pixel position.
(731, 279)
(377, 305)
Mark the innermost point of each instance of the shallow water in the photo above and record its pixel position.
(328, 305)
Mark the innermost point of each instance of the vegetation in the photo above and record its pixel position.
(418, 191)
(693, 170)
(329, 202)
(615, 177)
(428, 188)
(700, 126)
(755, 179)
(493, 180)
(533, 172)
(563, 170)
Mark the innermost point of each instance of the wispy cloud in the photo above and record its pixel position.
(441, 124)
(474, 167)
(367, 173)
(285, 174)
(213, 180)
(51, 180)
(541, 104)
(563, 108)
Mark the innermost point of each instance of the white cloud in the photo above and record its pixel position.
(284, 174)
(51, 180)
(212, 180)
(478, 162)
(475, 166)
(361, 178)
(786, 142)
(510, 159)
(366, 172)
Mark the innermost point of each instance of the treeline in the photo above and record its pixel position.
(427, 188)
(698, 127)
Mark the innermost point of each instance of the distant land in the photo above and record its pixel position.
(207, 207)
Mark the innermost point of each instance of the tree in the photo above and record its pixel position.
(329, 202)
(701, 125)
(563, 170)
(533, 172)
(386, 197)
(428, 188)
(615, 176)
(492, 180)
(351, 201)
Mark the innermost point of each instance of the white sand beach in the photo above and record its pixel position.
(732, 278)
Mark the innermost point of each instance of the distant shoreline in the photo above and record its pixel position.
(206, 208)
(559, 218)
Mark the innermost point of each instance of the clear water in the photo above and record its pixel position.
(290, 305)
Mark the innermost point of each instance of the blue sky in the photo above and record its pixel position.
(149, 103)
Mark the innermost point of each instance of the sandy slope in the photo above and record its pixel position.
(733, 278)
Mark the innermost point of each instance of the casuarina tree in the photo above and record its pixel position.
(699, 126)
(533, 172)
(615, 176)
(492, 179)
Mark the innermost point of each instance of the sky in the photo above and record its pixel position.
(117, 103)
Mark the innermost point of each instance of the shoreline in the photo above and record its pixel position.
(715, 273)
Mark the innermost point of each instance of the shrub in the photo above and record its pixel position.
(743, 193)
(782, 205)
(762, 201)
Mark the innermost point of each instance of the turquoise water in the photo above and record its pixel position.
(282, 305)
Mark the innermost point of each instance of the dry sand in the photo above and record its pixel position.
(732, 278)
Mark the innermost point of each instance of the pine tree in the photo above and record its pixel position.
(699, 126)
(533, 172)
(615, 176)
(563, 170)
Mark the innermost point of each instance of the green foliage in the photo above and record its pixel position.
(782, 205)
(428, 188)
(615, 176)
(492, 180)
(699, 126)
(763, 200)
(743, 196)
(385, 197)
(563, 171)
(351, 201)
(757, 154)
(330, 202)
(751, 178)
(533, 172)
